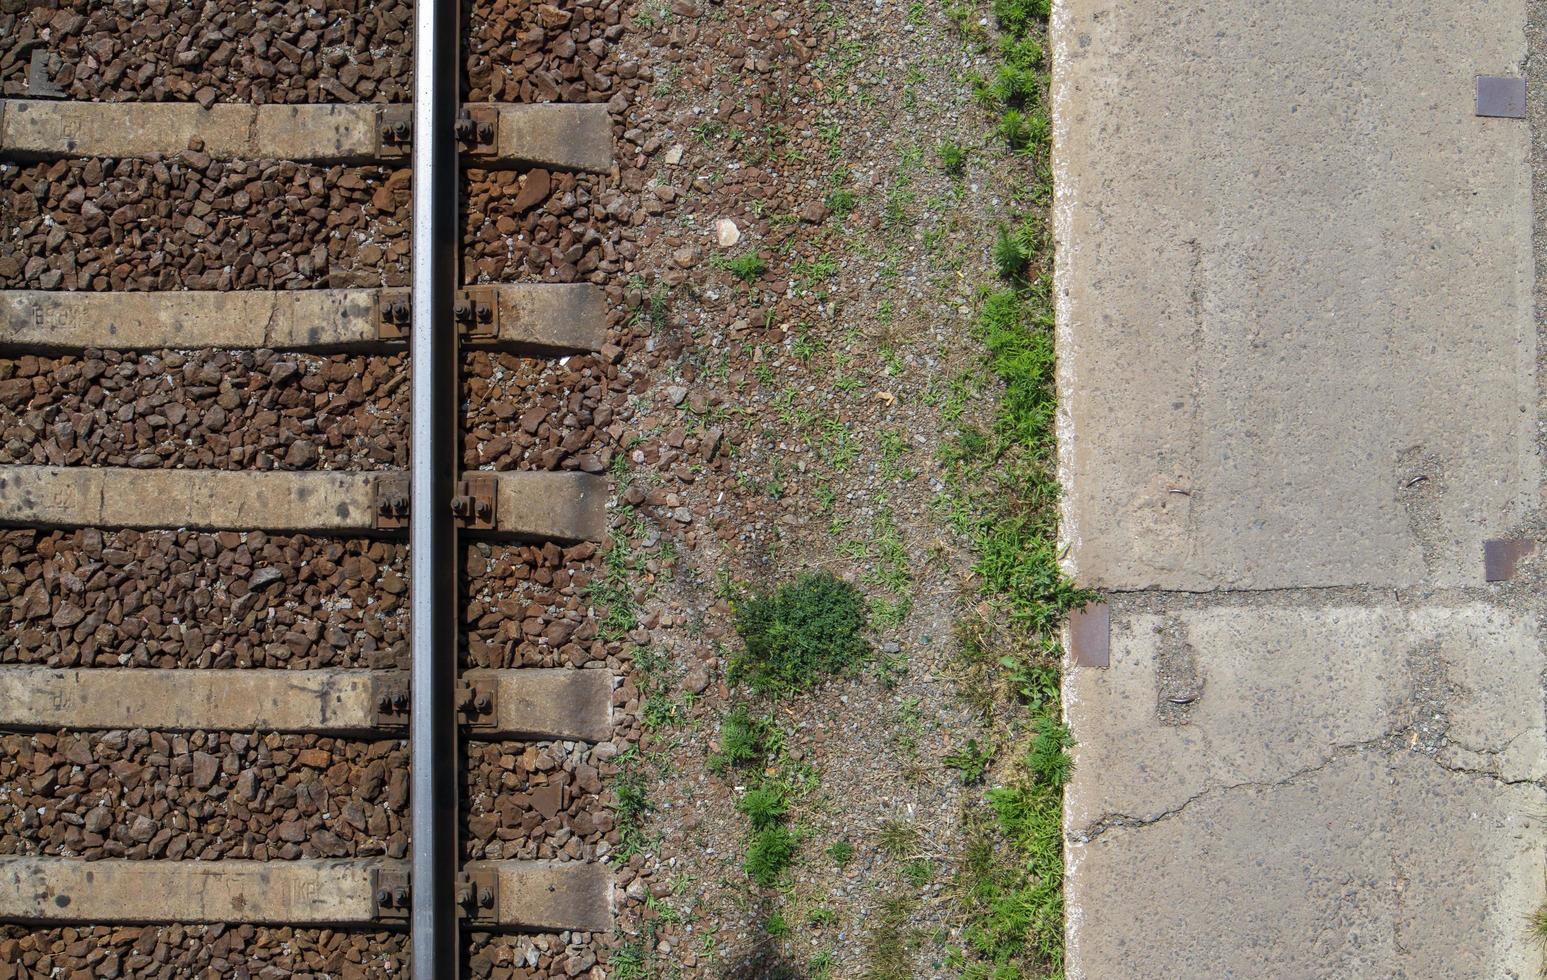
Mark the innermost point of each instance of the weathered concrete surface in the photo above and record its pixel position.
(535, 318)
(314, 133)
(556, 702)
(561, 506)
(1369, 866)
(321, 892)
(566, 136)
(51, 496)
(551, 895)
(540, 505)
(1215, 696)
(553, 317)
(279, 319)
(563, 136)
(1299, 388)
(326, 701)
(1294, 283)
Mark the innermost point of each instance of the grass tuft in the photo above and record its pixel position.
(744, 741)
(749, 268)
(799, 634)
(764, 805)
(953, 157)
(1005, 502)
(769, 853)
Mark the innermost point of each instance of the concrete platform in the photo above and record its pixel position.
(1299, 389)
(1295, 292)
(1199, 697)
(1370, 866)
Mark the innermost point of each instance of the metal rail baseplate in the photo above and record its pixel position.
(394, 314)
(390, 697)
(477, 707)
(475, 501)
(391, 894)
(478, 130)
(477, 312)
(392, 504)
(395, 128)
(478, 894)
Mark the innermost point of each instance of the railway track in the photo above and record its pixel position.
(435, 505)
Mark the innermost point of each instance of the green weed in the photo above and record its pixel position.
(744, 741)
(971, 761)
(953, 157)
(898, 838)
(841, 203)
(769, 854)
(764, 805)
(800, 633)
(919, 872)
(1003, 497)
(613, 589)
(631, 806)
(776, 926)
(748, 268)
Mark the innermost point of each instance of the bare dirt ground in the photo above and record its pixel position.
(788, 419)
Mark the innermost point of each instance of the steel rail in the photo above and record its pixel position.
(434, 759)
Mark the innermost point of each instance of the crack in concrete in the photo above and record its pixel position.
(1386, 743)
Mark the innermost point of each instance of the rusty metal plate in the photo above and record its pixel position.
(390, 699)
(391, 502)
(1503, 98)
(478, 894)
(477, 702)
(39, 85)
(1502, 557)
(390, 893)
(395, 131)
(477, 312)
(475, 501)
(394, 314)
(478, 130)
(1090, 635)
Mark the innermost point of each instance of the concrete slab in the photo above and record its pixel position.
(559, 506)
(555, 702)
(549, 895)
(314, 133)
(1372, 865)
(1295, 292)
(313, 318)
(53, 496)
(567, 136)
(1207, 697)
(1299, 390)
